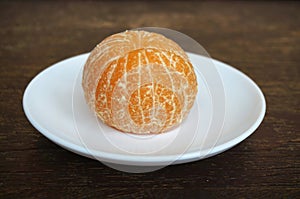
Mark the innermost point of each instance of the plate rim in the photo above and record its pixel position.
(142, 159)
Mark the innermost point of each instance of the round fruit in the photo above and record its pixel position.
(139, 82)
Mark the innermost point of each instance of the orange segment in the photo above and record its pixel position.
(144, 102)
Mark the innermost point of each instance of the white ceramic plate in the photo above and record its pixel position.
(54, 104)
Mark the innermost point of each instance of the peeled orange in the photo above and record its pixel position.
(139, 82)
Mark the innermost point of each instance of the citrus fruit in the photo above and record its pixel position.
(139, 82)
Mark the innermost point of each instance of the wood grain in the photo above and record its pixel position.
(262, 39)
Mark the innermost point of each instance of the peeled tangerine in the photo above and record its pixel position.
(139, 82)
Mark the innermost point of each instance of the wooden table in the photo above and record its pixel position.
(262, 39)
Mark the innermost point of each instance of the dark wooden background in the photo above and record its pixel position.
(262, 39)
